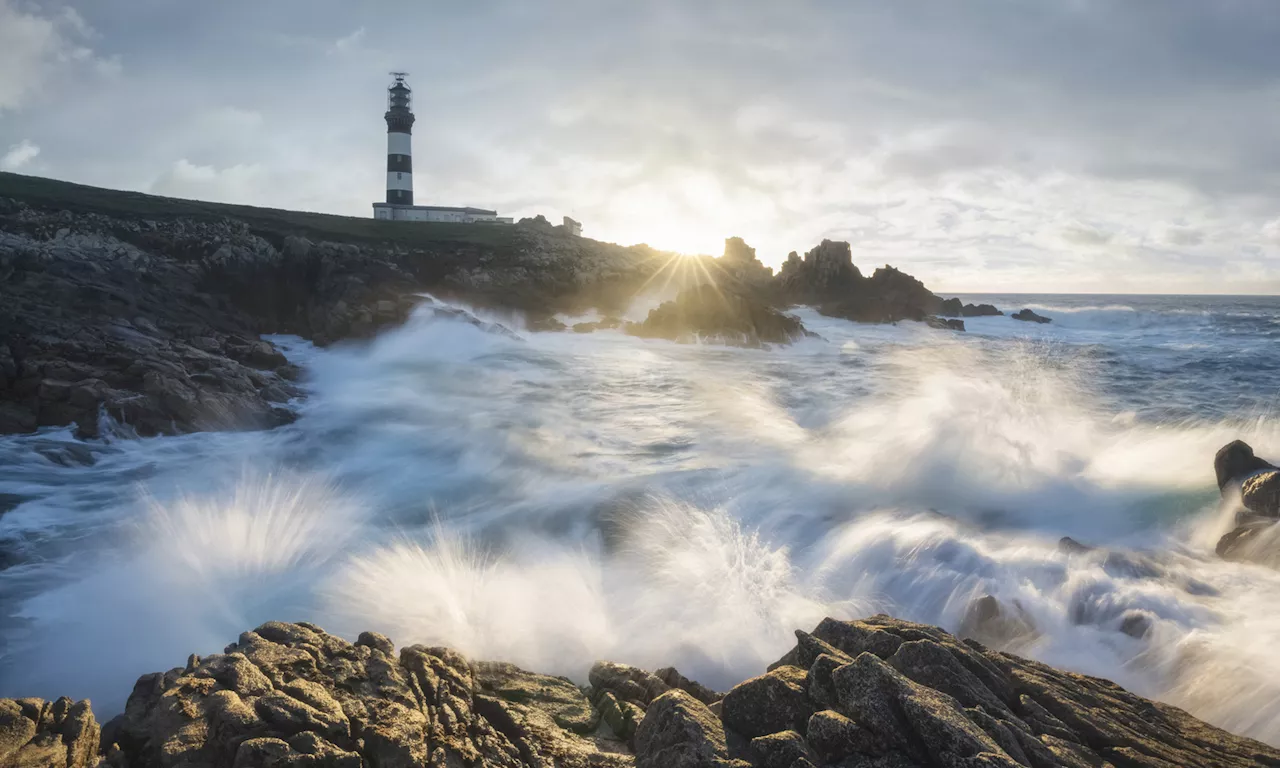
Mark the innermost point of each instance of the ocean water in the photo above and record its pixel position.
(552, 499)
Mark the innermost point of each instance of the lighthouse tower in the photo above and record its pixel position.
(399, 130)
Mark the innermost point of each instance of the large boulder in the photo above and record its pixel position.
(712, 314)
(1251, 484)
(681, 732)
(979, 310)
(42, 734)
(773, 702)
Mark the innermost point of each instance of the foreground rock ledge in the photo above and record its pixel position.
(878, 692)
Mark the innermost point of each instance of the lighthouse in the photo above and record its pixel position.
(399, 205)
(399, 138)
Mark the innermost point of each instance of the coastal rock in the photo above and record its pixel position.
(286, 693)
(773, 702)
(38, 734)
(825, 273)
(1235, 461)
(945, 324)
(878, 691)
(708, 313)
(1028, 316)
(108, 287)
(991, 623)
(1254, 484)
(740, 264)
(980, 310)
(681, 732)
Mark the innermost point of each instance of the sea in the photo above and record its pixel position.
(551, 499)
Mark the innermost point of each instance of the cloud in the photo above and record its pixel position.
(237, 183)
(19, 155)
(348, 43)
(968, 143)
(35, 48)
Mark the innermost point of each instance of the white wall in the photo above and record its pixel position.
(398, 144)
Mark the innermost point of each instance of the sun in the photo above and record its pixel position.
(685, 213)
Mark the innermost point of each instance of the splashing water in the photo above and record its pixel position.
(551, 499)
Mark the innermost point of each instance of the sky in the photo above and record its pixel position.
(1130, 146)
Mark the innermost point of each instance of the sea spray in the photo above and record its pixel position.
(556, 498)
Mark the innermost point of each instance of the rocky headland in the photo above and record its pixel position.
(150, 311)
(876, 692)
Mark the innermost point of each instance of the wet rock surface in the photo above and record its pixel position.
(876, 692)
(1250, 486)
(1027, 316)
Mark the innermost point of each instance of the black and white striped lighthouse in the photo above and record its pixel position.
(399, 153)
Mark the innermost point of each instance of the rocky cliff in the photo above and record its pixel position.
(150, 310)
(878, 692)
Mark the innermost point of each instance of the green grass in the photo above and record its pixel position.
(51, 194)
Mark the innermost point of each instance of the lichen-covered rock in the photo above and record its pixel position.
(38, 734)
(680, 732)
(877, 692)
(291, 694)
(773, 702)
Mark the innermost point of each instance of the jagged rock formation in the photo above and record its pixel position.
(740, 264)
(827, 279)
(878, 692)
(721, 315)
(955, 308)
(59, 734)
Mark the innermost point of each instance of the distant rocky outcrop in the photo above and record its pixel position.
(720, 315)
(876, 692)
(955, 308)
(1028, 316)
(827, 279)
(739, 264)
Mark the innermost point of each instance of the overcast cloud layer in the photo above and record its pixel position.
(1066, 145)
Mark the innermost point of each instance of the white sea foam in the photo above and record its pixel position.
(552, 499)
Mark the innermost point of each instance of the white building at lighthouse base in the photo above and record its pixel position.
(465, 215)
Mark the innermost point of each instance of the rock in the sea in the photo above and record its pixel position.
(991, 623)
(943, 323)
(1027, 315)
(1236, 461)
(979, 310)
(1255, 484)
(720, 315)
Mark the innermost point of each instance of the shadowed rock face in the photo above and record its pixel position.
(1251, 484)
(1028, 316)
(156, 321)
(878, 692)
(722, 315)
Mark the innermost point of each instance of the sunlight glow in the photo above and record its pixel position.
(690, 213)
